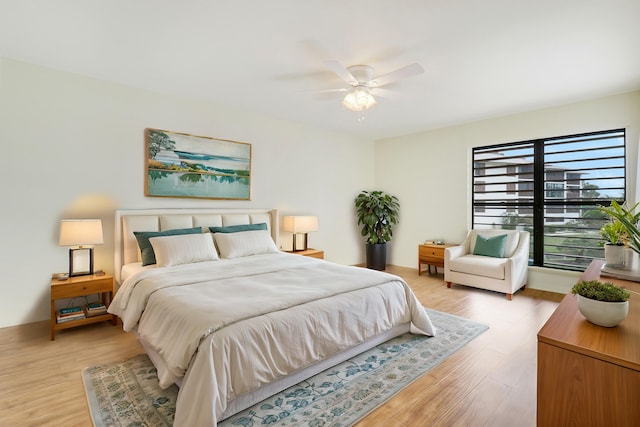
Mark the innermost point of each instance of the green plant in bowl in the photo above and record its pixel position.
(602, 303)
(600, 291)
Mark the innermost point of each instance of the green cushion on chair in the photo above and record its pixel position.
(490, 246)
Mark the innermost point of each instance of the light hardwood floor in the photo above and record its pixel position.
(491, 381)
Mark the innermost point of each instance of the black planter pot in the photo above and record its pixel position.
(376, 256)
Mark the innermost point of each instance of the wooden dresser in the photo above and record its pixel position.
(589, 375)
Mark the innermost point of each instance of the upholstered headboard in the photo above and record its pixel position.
(129, 220)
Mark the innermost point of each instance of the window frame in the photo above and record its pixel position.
(567, 196)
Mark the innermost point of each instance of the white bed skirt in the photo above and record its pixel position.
(249, 399)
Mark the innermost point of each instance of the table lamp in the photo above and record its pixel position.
(80, 235)
(300, 225)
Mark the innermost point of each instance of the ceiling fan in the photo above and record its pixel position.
(362, 82)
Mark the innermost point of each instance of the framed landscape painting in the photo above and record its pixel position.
(182, 165)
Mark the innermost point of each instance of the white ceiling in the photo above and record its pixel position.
(482, 59)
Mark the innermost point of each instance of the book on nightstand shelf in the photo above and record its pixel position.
(69, 318)
(95, 309)
(70, 313)
(70, 310)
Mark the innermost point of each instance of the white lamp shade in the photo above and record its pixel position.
(80, 232)
(300, 224)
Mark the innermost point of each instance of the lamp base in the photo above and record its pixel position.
(80, 261)
(306, 240)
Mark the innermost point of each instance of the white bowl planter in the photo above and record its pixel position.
(603, 313)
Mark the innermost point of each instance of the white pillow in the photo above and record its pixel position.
(183, 249)
(244, 243)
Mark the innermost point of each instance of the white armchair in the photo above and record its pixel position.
(505, 275)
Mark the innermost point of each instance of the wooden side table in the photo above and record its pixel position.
(431, 254)
(80, 286)
(313, 253)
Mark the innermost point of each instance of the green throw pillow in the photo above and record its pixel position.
(490, 246)
(146, 250)
(238, 228)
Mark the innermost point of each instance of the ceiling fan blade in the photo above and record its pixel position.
(341, 72)
(384, 93)
(331, 90)
(401, 73)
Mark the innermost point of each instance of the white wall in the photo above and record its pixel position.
(430, 171)
(72, 147)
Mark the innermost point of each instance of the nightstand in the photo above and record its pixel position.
(313, 253)
(80, 286)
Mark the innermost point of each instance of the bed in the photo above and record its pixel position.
(231, 319)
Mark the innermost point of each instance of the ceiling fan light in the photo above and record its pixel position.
(359, 99)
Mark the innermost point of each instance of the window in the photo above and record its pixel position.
(555, 190)
(552, 188)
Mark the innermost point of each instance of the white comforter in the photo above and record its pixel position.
(231, 326)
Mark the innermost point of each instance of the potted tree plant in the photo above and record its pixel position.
(614, 234)
(377, 213)
(602, 303)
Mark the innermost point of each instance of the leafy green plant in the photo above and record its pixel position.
(614, 232)
(377, 212)
(629, 219)
(600, 291)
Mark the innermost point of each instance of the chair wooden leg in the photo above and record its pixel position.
(509, 297)
(448, 284)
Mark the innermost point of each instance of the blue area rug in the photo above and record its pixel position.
(127, 393)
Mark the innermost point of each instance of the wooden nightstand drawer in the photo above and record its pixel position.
(431, 252)
(70, 289)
